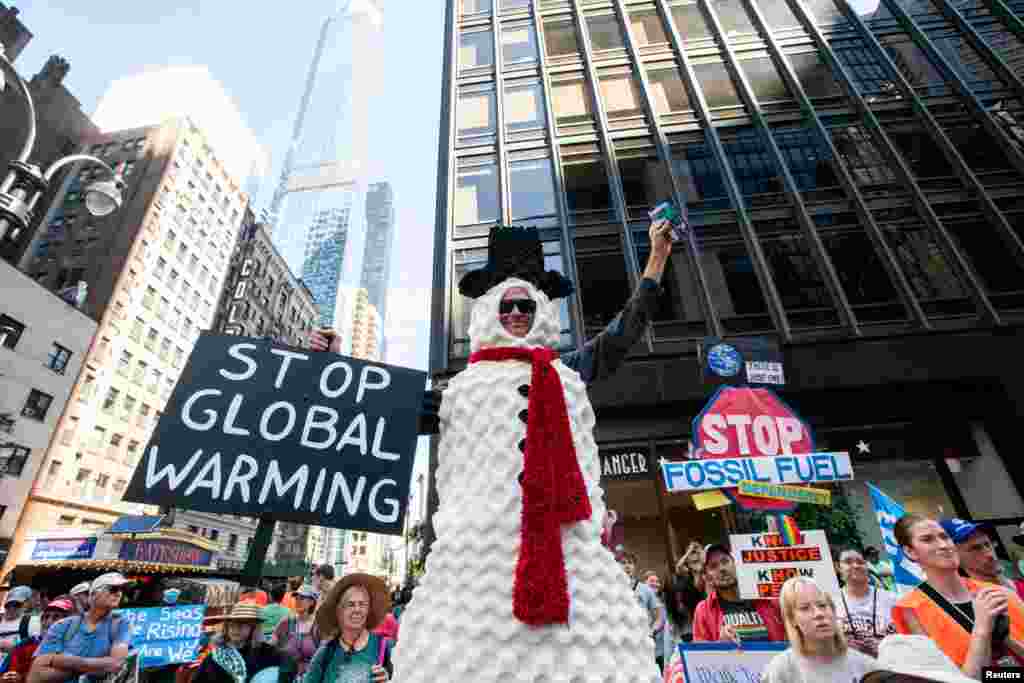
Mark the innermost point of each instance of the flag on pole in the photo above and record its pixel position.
(905, 571)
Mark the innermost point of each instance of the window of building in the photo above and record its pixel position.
(869, 291)
(214, 534)
(716, 85)
(602, 282)
(57, 359)
(814, 74)
(233, 542)
(690, 22)
(647, 27)
(111, 400)
(477, 114)
(560, 37)
(99, 438)
(140, 372)
(924, 263)
(587, 191)
(797, 277)
(154, 380)
(65, 520)
(507, 5)
(524, 106)
(765, 80)
(68, 435)
(621, 96)
(132, 452)
(918, 150)
(668, 94)
(733, 16)
(129, 406)
(605, 32)
(476, 49)
(151, 338)
(12, 459)
(10, 331)
(645, 180)
(88, 387)
(124, 364)
(697, 173)
(807, 157)
(532, 188)
(37, 404)
(476, 7)
(572, 101)
(860, 155)
(777, 14)
(752, 164)
(476, 192)
(518, 45)
(824, 11)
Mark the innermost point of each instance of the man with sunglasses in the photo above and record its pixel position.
(93, 644)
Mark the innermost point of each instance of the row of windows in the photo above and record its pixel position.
(11, 331)
(145, 416)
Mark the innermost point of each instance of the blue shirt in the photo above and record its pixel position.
(71, 637)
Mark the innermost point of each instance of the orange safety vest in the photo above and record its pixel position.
(943, 629)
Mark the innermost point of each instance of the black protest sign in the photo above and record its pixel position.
(625, 462)
(254, 428)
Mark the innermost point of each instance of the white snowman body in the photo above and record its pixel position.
(459, 625)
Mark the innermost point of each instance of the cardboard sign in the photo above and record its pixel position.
(794, 494)
(624, 463)
(254, 428)
(742, 422)
(741, 360)
(165, 635)
(763, 564)
(725, 663)
(701, 475)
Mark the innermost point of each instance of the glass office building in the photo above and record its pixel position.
(853, 179)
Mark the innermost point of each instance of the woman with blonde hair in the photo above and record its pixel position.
(818, 649)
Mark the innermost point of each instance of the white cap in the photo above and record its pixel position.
(80, 588)
(109, 579)
(917, 657)
(19, 594)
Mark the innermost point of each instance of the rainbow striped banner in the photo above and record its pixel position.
(795, 494)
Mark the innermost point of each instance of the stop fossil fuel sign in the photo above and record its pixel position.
(743, 422)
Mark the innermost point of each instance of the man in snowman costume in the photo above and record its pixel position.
(518, 586)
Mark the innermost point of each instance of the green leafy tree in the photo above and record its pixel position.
(838, 521)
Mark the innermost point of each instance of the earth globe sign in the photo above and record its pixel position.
(724, 360)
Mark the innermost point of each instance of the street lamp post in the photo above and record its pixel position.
(26, 183)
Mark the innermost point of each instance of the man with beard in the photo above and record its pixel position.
(723, 616)
(978, 554)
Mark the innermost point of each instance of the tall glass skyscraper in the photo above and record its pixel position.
(315, 226)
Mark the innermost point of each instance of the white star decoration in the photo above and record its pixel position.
(863, 447)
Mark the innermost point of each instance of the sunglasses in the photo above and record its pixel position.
(525, 306)
(114, 590)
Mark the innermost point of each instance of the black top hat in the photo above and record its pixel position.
(513, 251)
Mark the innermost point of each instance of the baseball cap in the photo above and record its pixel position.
(80, 588)
(62, 604)
(959, 529)
(307, 591)
(107, 580)
(715, 547)
(18, 594)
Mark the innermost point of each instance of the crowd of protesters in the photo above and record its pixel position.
(965, 616)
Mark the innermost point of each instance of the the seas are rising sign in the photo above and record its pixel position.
(254, 428)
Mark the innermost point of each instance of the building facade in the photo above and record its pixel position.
(318, 208)
(855, 191)
(261, 296)
(61, 128)
(43, 343)
(14, 35)
(154, 272)
(380, 236)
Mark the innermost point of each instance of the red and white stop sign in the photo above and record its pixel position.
(743, 422)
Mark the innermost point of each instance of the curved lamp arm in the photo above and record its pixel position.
(12, 75)
(74, 158)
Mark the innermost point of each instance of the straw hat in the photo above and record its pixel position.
(380, 602)
(243, 611)
(916, 656)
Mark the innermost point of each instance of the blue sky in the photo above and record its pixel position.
(261, 53)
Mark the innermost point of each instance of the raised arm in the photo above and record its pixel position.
(602, 355)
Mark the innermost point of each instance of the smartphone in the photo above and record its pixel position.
(667, 210)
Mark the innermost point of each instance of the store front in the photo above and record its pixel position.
(927, 445)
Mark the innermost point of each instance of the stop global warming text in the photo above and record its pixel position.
(253, 427)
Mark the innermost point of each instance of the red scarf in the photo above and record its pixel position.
(553, 492)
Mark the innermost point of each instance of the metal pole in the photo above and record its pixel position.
(253, 571)
(12, 75)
